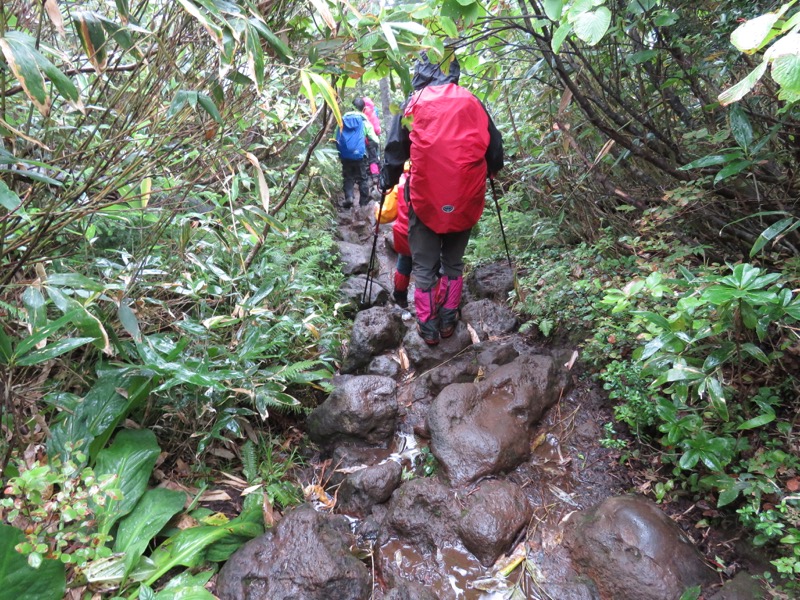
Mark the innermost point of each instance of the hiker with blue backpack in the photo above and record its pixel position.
(351, 141)
(453, 146)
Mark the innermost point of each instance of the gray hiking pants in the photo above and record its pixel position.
(433, 252)
(355, 171)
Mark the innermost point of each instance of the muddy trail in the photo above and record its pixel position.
(471, 470)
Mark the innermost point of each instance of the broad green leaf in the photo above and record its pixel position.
(560, 35)
(708, 161)
(132, 457)
(750, 35)
(638, 7)
(208, 105)
(151, 514)
(6, 347)
(732, 169)
(655, 319)
(449, 26)
(328, 94)
(89, 28)
(410, 26)
(27, 344)
(553, 8)
(758, 421)
(389, 34)
(740, 127)
(717, 397)
(129, 321)
(282, 50)
(187, 548)
(728, 495)
(770, 233)
(34, 303)
(86, 322)
(8, 199)
(212, 28)
(20, 54)
(591, 26)
(52, 351)
(19, 580)
(123, 8)
(187, 586)
(755, 352)
(786, 71)
(738, 91)
(684, 373)
(75, 281)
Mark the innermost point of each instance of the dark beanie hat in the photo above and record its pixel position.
(359, 103)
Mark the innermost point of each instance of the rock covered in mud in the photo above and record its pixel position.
(489, 319)
(496, 512)
(361, 410)
(375, 330)
(422, 356)
(493, 281)
(633, 551)
(480, 429)
(384, 365)
(306, 556)
(369, 486)
(421, 513)
(742, 587)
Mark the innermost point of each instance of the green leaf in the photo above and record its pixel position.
(22, 582)
(8, 199)
(129, 321)
(755, 352)
(20, 55)
(282, 50)
(717, 397)
(52, 351)
(709, 161)
(75, 281)
(728, 495)
(770, 233)
(187, 586)
(151, 514)
(684, 373)
(560, 35)
(732, 169)
(132, 458)
(34, 303)
(738, 91)
(86, 322)
(205, 101)
(786, 71)
(592, 25)
(328, 94)
(28, 343)
(449, 26)
(389, 34)
(655, 319)
(751, 34)
(553, 8)
(89, 27)
(758, 421)
(740, 127)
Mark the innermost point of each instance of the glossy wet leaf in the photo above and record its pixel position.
(772, 232)
(751, 34)
(89, 28)
(137, 530)
(592, 25)
(738, 91)
(86, 322)
(131, 457)
(741, 128)
(8, 199)
(759, 421)
(19, 52)
(553, 8)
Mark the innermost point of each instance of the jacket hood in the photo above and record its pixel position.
(427, 73)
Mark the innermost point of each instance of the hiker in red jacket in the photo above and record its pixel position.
(453, 146)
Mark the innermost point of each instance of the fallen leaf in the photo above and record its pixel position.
(793, 484)
(215, 496)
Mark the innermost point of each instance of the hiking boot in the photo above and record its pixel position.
(348, 203)
(448, 318)
(401, 298)
(429, 331)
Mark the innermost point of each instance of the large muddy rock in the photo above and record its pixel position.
(492, 281)
(374, 330)
(422, 513)
(489, 319)
(495, 514)
(480, 429)
(423, 357)
(361, 410)
(386, 366)
(408, 590)
(367, 487)
(306, 556)
(633, 551)
(354, 258)
(742, 587)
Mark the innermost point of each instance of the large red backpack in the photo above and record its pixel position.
(449, 131)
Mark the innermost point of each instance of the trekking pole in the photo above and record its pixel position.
(500, 218)
(368, 283)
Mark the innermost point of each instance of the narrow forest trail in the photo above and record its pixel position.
(470, 470)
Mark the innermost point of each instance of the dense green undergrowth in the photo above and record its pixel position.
(699, 360)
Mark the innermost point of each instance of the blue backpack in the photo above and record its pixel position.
(350, 140)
